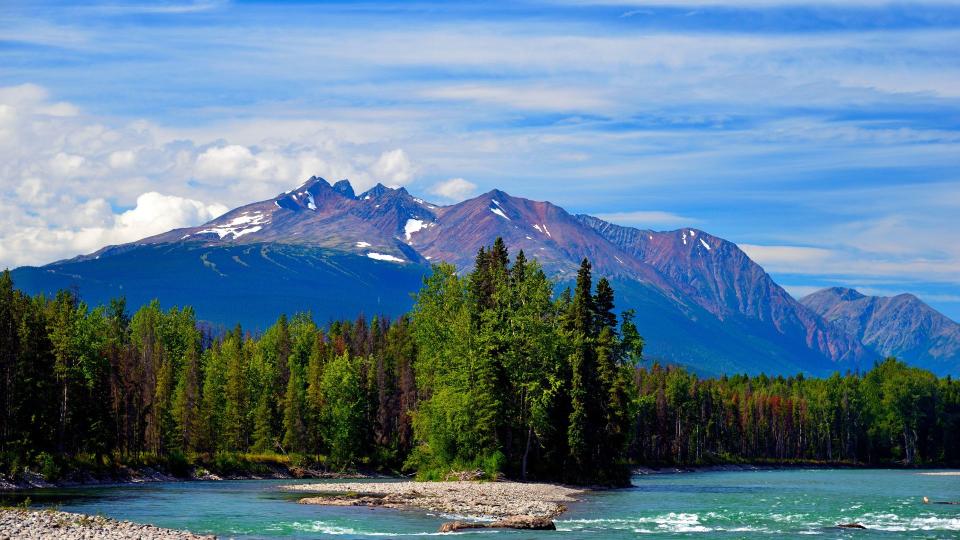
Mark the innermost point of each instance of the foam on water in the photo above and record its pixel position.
(893, 522)
(339, 530)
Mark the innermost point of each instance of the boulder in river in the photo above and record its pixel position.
(458, 525)
(535, 523)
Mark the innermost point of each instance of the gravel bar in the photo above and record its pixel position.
(477, 500)
(54, 525)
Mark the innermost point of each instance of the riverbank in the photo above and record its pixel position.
(777, 466)
(474, 500)
(218, 467)
(55, 525)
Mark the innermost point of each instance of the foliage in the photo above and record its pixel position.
(490, 371)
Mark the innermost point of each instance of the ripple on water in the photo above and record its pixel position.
(894, 523)
(322, 527)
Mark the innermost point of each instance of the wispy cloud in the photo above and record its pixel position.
(647, 219)
(454, 189)
(823, 134)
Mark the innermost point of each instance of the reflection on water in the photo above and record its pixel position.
(749, 504)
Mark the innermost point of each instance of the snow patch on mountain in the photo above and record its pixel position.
(412, 226)
(239, 226)
(383, 257)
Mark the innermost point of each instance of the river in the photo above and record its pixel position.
(740, 504)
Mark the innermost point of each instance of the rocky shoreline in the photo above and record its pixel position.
(56, 525)
(32, 480)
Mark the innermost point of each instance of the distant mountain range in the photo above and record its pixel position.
(901, 326)
(700, 301)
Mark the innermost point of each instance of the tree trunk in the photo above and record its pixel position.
(526, 454)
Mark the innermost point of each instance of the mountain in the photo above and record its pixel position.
(902, 326)
(700, 301)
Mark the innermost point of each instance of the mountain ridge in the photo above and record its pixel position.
(901, 325)
(689, 282)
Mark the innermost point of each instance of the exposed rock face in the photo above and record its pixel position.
(902, 326)
(707, 272)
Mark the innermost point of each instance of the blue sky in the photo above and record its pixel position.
(823, 138)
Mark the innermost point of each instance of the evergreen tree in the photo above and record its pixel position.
(186, 401)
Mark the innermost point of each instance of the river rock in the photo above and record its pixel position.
(46, 524)
(492, 500)
(536, 523)
(454, 526)
(533, 523)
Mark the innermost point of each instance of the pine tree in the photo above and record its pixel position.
(314, 396)
(9, 348)
(343, 412)
(583, 383)
(186, 401)
(295, 411)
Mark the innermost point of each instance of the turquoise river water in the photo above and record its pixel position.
(741, 504)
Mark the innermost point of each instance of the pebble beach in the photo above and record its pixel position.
(54, 525)
(478, 500)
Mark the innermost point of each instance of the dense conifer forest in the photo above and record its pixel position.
(490, 371)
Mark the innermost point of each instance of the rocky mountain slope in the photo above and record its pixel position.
(699, 299)
(902, 326)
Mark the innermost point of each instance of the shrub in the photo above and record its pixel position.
(179, 464)
(48, 467)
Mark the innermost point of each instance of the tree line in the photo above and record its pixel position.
(490, 370)
(893, 414)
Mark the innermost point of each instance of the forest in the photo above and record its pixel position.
(490, 371)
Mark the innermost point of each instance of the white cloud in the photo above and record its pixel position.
(537, 97)
(226, 162)
(153, 214)
(156, 213)
(852, 261)
(647, 219)
(62, 173)
(454, 189)
(393, 167)
(122, 159)
(786, 258)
